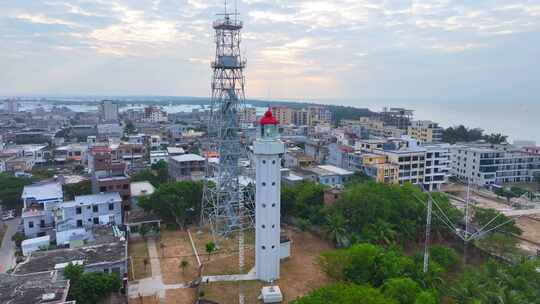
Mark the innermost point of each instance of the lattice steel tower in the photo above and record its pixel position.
(225, 206)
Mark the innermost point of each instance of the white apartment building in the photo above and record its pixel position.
(40, 202)
(491, 166)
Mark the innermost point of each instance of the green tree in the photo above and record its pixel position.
(335, 229)
(177, 202)
(146, 176)
(304, 201)
(491, 218)
(461, 134)
(130, 129)
(495, 138)
(426, 297)
(403, 290)
(183, 265)
(161, 168)
(11, 190)
(92, 287)
(210, 248)
(80, 188)
(444, 256)
(341, 293)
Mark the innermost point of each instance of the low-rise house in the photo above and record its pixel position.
(92, 210)
(157, 156)
(40, 202)
(43, 288)
(187, 167)
(101, 249)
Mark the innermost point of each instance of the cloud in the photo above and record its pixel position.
(329, 44)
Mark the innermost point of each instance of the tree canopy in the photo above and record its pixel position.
(176, 202)
(90, 287)
(342, 293)
(11, 189)
(80, 188)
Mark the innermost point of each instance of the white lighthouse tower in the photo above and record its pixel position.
(268, 150)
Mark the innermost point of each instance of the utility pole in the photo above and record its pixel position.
(428, 232)
(467, 215)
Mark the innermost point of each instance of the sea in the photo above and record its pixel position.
(517, 120)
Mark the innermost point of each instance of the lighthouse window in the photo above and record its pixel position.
(263, 247)
(273, 246)
(273, 226)
(273, 183)
(273, 205)
(264, 184)
(264, 205)
(264, 162)
(273, 162)
(263, 226)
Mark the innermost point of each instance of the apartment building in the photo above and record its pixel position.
(283, 114)
(108, 110)
(378, 167)
(108, 175)
(425, 131)
(484, 166)
(247, 115)
(154, 114)
(40, 202)
(91, 210)
(186, 167)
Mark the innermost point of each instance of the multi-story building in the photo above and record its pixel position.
(248, 115)
(91, 210)
(319, 114)
(40, 202)
(425, 131)
(532, 149)
(186, 167)
(283, 114)
(11, 106)
(411, 164)
(107, 175)
(108, 110)
(154, 114)
(326, 174)
(484, 166)
(378, 167)
(437, 168)
(301, 117)
(398, 117)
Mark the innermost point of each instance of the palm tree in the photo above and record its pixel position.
(183, 265)
(145, 262)
(210, 248)
(335, 229)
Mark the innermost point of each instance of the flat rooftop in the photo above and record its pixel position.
(41, 261)
(35, 288)
(43, 191)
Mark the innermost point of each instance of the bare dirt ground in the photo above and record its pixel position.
(173, 248)
(531, 232)
(138, 251)
(299, 274)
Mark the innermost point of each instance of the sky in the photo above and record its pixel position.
(431, 50)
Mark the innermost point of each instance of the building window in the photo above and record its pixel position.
(111, 206)
(78, 210)
(96, 220)
(30, 224)
(125, 186)
(79, 223)
(95, 208)
(102, 189)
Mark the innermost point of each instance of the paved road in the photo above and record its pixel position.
(7, 251)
